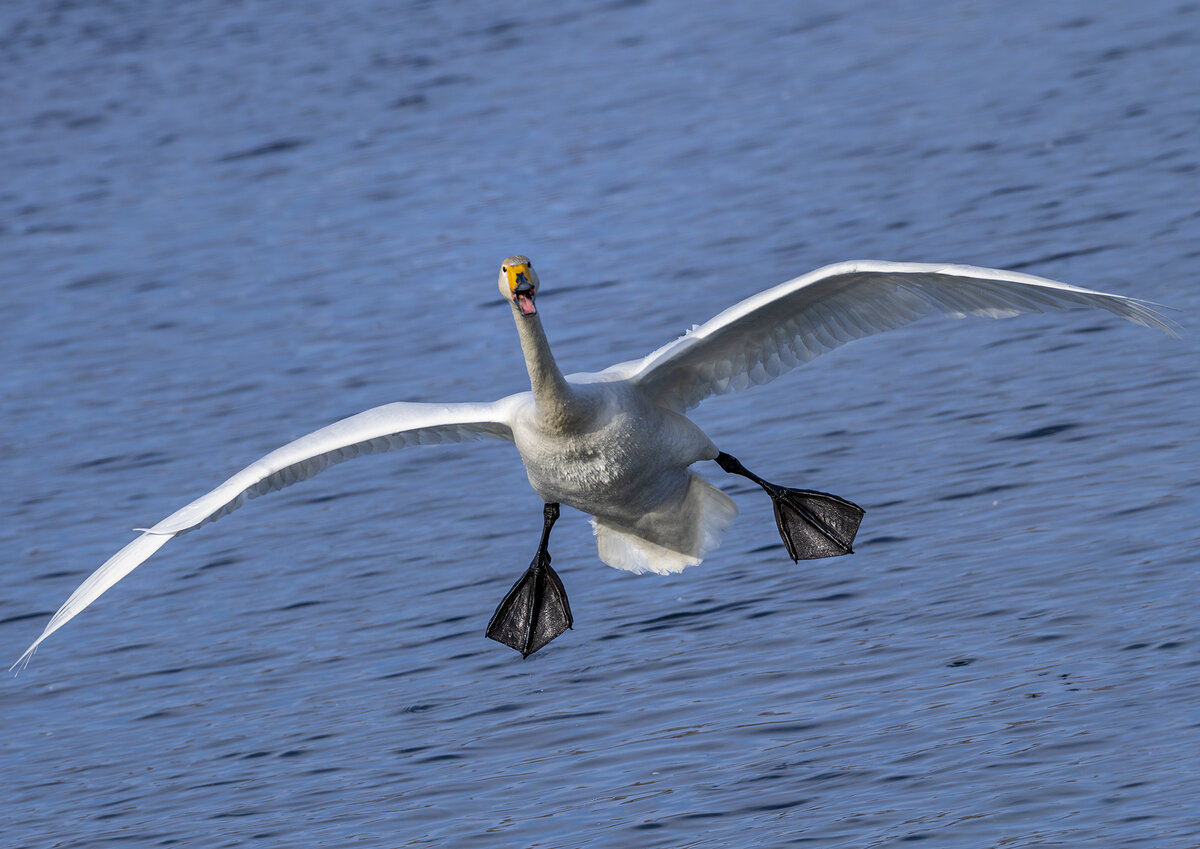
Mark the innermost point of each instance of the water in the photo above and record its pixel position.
(223, 225)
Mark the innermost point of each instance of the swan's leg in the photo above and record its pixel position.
(535, 611)
(812, 524)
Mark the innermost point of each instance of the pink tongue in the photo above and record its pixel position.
(525, 305)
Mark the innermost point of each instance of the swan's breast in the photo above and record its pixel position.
(624, 457)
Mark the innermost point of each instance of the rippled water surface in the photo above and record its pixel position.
(223, 225)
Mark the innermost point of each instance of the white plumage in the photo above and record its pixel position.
(615, 443)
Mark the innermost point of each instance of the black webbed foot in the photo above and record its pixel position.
(815, 524)
(536, 610)
(812, 524)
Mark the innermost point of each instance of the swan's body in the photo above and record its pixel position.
(605, 452)
(615, 444)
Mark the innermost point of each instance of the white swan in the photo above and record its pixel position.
(616, 444)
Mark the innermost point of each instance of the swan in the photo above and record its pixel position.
(616, 444)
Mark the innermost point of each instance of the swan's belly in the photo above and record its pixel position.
(630, 459)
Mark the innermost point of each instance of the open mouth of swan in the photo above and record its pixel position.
(523, 296)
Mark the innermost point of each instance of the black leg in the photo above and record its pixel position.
(535, 611)
(812, 524)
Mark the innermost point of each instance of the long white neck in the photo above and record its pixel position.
(556, 401)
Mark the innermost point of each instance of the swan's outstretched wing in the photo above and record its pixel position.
(380, 429)
(765, 335)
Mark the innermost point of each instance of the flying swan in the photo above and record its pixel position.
(616, 444)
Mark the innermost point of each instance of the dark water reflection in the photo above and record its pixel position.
(224, 225)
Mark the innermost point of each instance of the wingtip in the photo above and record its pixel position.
(23, 661)
(1151, 314)
(1164, 322)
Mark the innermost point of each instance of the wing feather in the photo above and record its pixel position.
(758, 339)
(380, 429)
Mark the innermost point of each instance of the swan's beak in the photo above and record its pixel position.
(523, 291)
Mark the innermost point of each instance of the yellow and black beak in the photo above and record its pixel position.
(522, 289)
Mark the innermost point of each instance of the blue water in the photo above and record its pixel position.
(223, 225)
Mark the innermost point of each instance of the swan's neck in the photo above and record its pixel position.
(556, 401)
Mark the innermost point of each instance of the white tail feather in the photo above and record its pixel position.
(668, 540)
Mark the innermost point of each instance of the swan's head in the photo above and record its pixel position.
(519, 284)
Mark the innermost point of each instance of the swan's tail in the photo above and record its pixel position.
(670, 538)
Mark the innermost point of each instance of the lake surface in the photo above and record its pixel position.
(223, 225)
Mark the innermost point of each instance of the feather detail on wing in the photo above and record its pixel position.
(380, 429)
(374, 431)
(758, 339)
